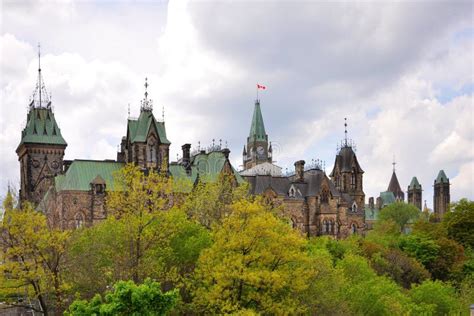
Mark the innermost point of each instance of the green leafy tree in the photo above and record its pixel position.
(369, 294)
(257, 263)
(32, 258)
(459, 222)
(401, 213)
(139, 201)
(436, 296)
(128, 298)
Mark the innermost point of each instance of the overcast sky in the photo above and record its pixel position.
(402, 74)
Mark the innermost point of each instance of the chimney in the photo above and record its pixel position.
(226, 153)
(186, 161)
(371, 203)
(379, 203)
(299, 170)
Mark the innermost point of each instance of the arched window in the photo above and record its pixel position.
(327, 227)
(332, 228)
(324, 227)
(354, 207)
(354, 228)
(79, 220)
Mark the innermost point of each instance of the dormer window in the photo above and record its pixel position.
(98, 185)
(325, 196)
(292, 192)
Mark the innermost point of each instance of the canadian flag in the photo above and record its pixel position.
(261, 87)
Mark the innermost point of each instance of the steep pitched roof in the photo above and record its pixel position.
(394, 186)
(257, 127)
(41, 128)
(139, 129)
(81, 173)
(441, 178)
(345, 160)
(414, 184)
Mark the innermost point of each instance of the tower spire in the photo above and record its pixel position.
(40, 96)
(394, 163)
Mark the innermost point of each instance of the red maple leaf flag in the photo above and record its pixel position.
(261, 87)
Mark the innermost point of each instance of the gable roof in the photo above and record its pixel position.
(257, 127)
(387, 198)
(81, 173)
(441, 178)
(41, 128)
(138, 129)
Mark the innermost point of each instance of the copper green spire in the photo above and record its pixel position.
(414, 184)
(257, 128)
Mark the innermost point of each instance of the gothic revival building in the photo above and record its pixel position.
(316, 203)
(72, 193)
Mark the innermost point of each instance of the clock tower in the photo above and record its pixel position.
(258, 149)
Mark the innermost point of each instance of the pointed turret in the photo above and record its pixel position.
(441, 198)
(415, 193)
(394, 187)
(257, 141)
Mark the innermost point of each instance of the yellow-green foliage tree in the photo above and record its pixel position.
(32, 258)
(210, 201)
(257, 263)
(139, 201)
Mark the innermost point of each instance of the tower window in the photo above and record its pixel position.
(325, 196)
(354, 207)
(354, 229)
(324, 227)
(353, 180)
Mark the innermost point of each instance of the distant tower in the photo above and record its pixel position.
(394, 186)
(441, 196)
(347, 175)
(414, 193)
(41, 149)
(258, 150)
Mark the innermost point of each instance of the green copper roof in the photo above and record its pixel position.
(207, 166)
(414, 184)
(41, 128)
(442, 178)
(387, 198)
(257, 128)
(139, 128)
(81, 173)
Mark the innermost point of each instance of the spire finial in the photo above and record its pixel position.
(40, 95)
(146, 88)
(163, 113)
(128, 110)
(147, 105)
(345, 130)
(394, 163)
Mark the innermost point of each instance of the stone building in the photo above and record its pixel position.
(415, 193)
(316, 203)
(441, 198)
(72, 193)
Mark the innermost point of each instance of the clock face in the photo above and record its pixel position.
(260, 151)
